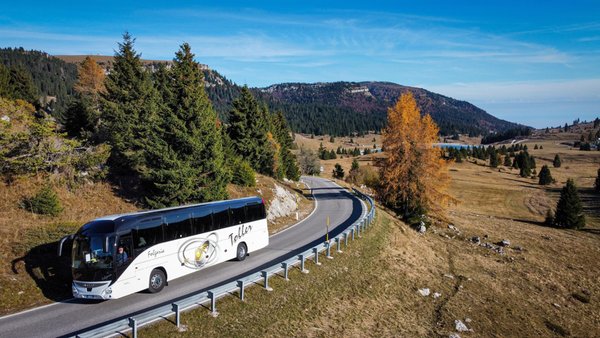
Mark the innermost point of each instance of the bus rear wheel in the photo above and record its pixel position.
(242, 251)
(157, 281)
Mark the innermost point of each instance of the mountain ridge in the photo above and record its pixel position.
(336, 108)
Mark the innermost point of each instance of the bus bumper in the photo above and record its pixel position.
(91, 290)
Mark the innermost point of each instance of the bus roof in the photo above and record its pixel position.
(120, 220)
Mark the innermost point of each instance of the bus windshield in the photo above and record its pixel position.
(94, 251)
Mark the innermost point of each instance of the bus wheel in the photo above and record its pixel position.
(157, 281)
(242, 251)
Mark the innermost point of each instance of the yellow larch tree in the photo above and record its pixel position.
(414, 177)
(90, 79)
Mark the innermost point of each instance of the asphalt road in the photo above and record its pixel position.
(73, 316)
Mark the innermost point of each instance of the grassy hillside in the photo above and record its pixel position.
(545, 284)
(32, 274)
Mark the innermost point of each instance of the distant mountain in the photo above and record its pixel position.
(336, 108)
(53, 78)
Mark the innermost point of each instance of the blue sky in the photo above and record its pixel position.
(536, 63)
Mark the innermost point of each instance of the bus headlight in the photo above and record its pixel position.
(74, 290)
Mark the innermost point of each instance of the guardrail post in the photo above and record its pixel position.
(265, 275)
(213, 303)
(329, 256)
(175, 308)
(337, 242)
(316, 252)
(133, 326)
(240, 284)
(285, 268)
(352, 233)
(302, 269)
(345, 239)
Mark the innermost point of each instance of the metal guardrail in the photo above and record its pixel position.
(124, 325)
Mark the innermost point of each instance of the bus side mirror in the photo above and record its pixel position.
(65, 242)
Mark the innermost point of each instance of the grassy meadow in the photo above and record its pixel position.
(545, 284)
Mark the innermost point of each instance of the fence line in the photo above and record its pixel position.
(261, 277)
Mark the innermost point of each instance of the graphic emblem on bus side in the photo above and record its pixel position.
(197, 253)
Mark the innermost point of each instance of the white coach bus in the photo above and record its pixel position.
(114, 256)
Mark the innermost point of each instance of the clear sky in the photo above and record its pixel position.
(533, 62)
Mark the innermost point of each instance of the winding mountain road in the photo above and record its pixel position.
(72, 316)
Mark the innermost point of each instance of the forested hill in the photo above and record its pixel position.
(53, 78)
(338, 108)
(335, 108)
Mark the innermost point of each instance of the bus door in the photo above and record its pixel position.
(124, 255)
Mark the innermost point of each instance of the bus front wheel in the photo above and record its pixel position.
(242, 251)
(157, 281)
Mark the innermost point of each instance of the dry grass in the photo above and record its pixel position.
(31, 274)
(305, 141)
(546, 284)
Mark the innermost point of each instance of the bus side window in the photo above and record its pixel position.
(202, 220)
(148, 233)
(177, 226)
(220, 218)
(237, 215)
(254, 212)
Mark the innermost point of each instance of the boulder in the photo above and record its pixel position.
(476, 240)
(460, 326)
(504, 243)
(424, 292)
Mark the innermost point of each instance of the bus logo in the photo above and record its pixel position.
(197, 253)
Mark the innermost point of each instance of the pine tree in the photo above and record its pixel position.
(507, 161)
(494, 161)
(338, 171)
(129, 110)
(545, 176)
(524, 164)
(569, 212)
(557, 162)
(282, 133)
(597, 182)
(21, 86)
(185, 153)
(355, 165)
(413, 177)
(248, 129)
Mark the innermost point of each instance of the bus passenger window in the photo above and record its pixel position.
(237, 215)
(220, 218)
(202, 220)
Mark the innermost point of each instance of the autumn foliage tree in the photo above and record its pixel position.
(414, 176)
(83, 113)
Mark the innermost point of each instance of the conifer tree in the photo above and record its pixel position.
(494, 161)
(185, 157)
(413, 177)
(557, 162)
(338, 171)
(597, 182)
(248, 127)
(569, 212)
(545, 176)
(507, 161)
(129, 109)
